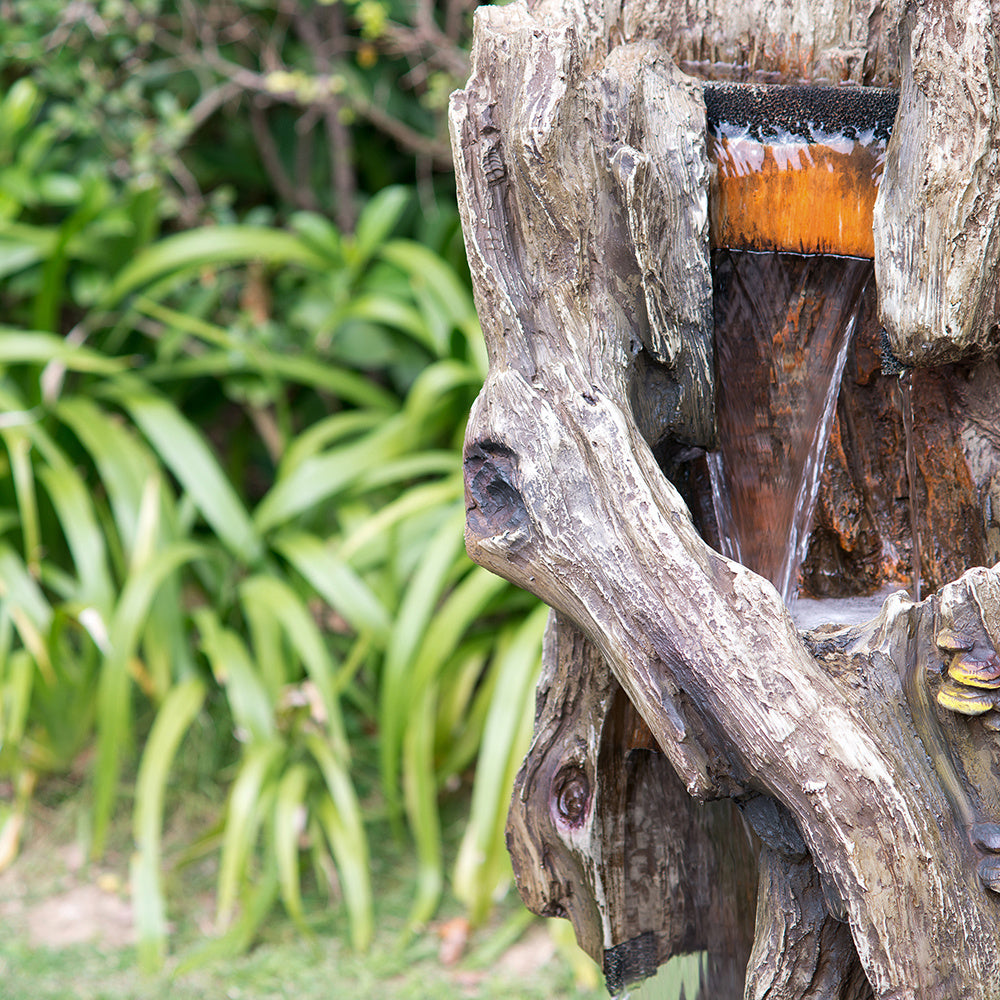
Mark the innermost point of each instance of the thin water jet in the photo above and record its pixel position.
(905, 390)
(783, 325)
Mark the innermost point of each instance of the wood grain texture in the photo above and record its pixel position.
(594, 819)
(937, 242)
(564, 498)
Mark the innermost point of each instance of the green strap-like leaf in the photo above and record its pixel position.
(377, 221)
(320, 478)
(422, 595)
(206, 246)
(237, 675)
(124, 462)
(38, 348)
(173, 720)
(274, 596)
(184, 451)
(244, 811)
(482, 859)
(289, 813)
(335, 581)
(114, 694)
(75, 511)
(340, 815)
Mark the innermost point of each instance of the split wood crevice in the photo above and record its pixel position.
(675, 683)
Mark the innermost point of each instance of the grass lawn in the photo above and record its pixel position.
(67, 935)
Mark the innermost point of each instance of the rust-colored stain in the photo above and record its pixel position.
(796, 196)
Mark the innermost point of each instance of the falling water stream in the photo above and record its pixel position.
(795, 176)
(795, 172)
(906, 407)
(783, 325)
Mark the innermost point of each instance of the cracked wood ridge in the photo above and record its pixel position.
(582, 175)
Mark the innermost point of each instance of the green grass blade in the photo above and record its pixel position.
(275, 669)
(17, 676)
(420, 788)
(51, 291)
(423, 266)
(23, 600)
(459, 684)
(23, 474)
(16, 255)
(235, 672)
(207, 246)
(482, 859)
(76, 515)
(124, 462)
(37, 347)
(321, 235)
(239, 355)
(415, 611)
(412, 501)
(173, 719)
(335, 581)
(243, 818)
(17, 109)
(377, 221)
(19, 589)
(256, 901)
(377, 308)
(189, 458)
(466, 602)
(341, 817)
(433, 384)
(402, 472)
(271, 594)
(338, 429)
(319, 478)
(438, 641)
(289, 816)
(114, 690)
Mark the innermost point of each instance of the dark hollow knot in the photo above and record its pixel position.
(571, 791)
(494, 500)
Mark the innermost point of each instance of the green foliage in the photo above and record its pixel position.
(230, 482)
(208, 511)
(231, 104)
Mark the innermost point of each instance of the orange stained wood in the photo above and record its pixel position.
(797, 196)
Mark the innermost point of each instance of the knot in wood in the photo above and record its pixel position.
(571, 792)
(495, 503)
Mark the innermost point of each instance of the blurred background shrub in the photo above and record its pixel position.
(238, 351)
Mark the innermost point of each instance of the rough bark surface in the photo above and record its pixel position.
(766, 41)
(937, 242)
(580, 153)
(598, 814)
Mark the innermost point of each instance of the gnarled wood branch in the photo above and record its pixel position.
(562, 139)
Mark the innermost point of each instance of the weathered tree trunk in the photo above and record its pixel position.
(582, 176)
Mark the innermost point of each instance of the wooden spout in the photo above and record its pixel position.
(796, 168)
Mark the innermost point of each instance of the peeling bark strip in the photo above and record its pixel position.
(581, 171)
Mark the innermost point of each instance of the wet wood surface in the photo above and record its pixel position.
(796, 168)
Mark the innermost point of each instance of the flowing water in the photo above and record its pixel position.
(906, 407)
(796, 173)
(783, 326)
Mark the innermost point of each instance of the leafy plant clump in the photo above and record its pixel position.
(231, 496)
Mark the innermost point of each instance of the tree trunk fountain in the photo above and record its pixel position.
(817, 813)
